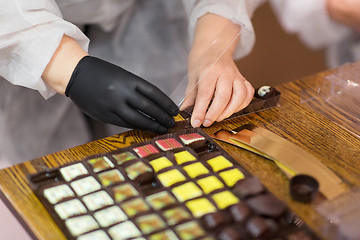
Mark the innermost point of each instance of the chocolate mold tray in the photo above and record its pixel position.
(177, 186)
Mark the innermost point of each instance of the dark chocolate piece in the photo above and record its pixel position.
(215, 220)
(240, 212)
(303, 188)
(231, 233)
(265, 92)
(258, 227)
(266, 205)
(248, 187)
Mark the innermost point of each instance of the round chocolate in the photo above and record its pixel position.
(258, 227)
(265, 92)
(267, 205)
(240, 212)
(303, 188)
(231, 233)
(247, 187)
(214, 220)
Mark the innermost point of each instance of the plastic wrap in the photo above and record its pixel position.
(339, 91)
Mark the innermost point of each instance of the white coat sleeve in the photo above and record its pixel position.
(30, 32)
(239, 11)
(310, 20)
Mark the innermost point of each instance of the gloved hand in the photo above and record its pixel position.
(113, 95)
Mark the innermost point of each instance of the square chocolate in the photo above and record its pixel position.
(187, 191)
(160, 163)
(72, 171)
(95, 235)
(97, 200)
(160, 200)
(124, 230)
(168, 144)
(146, 150)
(81, 224)
(110, 177)
(101, 163)
(57, 193)
(70, 208)
(124, 157)
(110, 216)
(123, 192)
(190, 230)
(210, 184)
(171, 177)
(191, 138)
(140, 172)
(176, 215)
(135, 206)
(183, 157)
(150, 223)
(200, 206)
(85, 185)
(196, 169)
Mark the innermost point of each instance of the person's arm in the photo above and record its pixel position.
(58, 71)
(346, 12)
(107, 92)
(222, 83)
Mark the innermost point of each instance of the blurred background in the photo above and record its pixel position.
(277, 57)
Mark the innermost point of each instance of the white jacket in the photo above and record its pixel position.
(149, 38)
(310, 20)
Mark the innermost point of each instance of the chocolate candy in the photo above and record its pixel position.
(266, 205)
(264, 98)
(212, 221)
(240, 212)
(303, 188)
(248, 187)
(265, 92)
(258, 227)
(231, 233)
(177, 186)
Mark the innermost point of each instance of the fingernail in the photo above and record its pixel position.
(206, 123)
(196, 123)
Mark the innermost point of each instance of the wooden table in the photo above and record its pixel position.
(328, 132)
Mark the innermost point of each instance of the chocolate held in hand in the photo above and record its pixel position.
(266, 92)
(265, 97)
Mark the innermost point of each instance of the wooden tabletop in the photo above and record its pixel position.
(310, 115)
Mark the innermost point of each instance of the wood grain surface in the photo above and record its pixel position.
(329, 133)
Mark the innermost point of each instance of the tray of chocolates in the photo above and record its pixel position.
(181, 185)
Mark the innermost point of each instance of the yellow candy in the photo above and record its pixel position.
(186, 191)
(210, 184)
(200, 207)
(232, 176)
(184, 156)
(160, 163)
(171, 177)
(196, 169)
(219, 163)
(224, 199)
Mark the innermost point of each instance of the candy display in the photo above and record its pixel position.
(177, 186)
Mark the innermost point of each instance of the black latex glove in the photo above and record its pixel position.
(113, 95)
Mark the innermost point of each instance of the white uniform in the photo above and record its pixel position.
(310, 20)
(148, 37)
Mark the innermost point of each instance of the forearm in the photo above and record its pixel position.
(214, 34)
(62, 64)
(345, 12)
